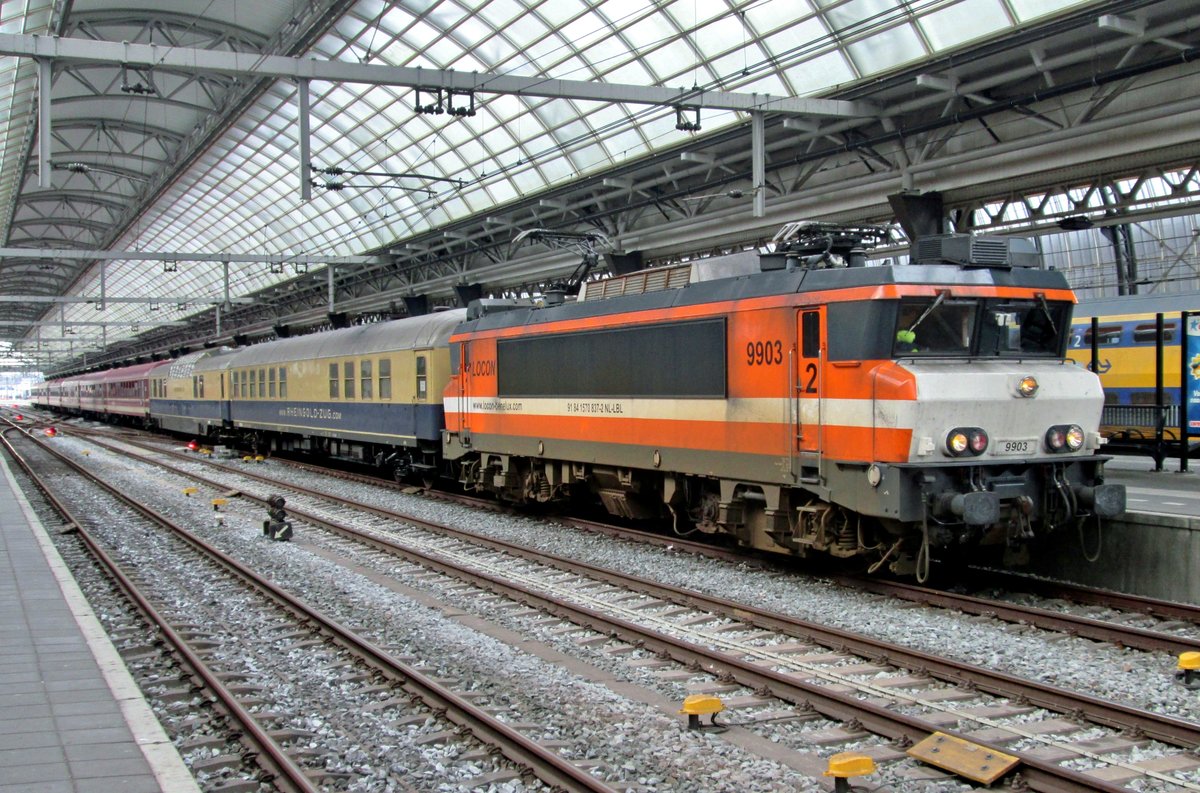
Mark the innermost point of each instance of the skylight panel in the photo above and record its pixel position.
(818, 74)
(1032, 9)
(526, 30)
(963, 21)
(588, 31)
(500, 13)
(885, 50)
(558, 12)
(444, 52)
(589, 158)
(446, 15)
(669, 61)
(394, 21)
(632, 73)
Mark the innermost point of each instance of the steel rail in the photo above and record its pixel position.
(1087, 627)
(547, 764)
(1077, 593)
(280, 767)
(1171, 730)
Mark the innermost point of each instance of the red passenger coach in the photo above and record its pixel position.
(810, 403)
(126, 392)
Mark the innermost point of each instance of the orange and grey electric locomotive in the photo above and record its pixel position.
(895, 413)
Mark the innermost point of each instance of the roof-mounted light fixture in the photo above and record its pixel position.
(683, 124)
(139, 88)
(460, 111)
(170, 267)
(435, 109)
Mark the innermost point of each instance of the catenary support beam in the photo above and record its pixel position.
(196, 60)
(161, 300)
(758, 163)
(184, 256)
(44, 69)
(305, 155)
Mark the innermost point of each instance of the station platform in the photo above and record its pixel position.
(72, 720)
(1166, 492)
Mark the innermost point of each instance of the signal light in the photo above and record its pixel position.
(51, 432)
(193, 446)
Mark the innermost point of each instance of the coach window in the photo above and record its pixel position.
(364, 376)
(348, 377)
(1148, 334)
(253, 383)
(333, 381)
(271, 383)
(262, 383)
(422, 379)
(282, 383)
(195, 387)
(200, 383)
(385, 378)
(1109, 334)
(233, 382)
(245, 383)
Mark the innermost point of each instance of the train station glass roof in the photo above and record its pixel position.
(241, 195)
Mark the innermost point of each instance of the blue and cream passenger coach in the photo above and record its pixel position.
(370, 392)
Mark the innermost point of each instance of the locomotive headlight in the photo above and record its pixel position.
(962, 441)
(1065, 438)
(1028, 386)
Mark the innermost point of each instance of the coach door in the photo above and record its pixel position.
(810, 350)
(465, 391)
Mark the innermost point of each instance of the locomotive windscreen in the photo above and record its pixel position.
(678, 359)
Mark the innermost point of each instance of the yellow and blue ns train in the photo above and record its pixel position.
(1127, 331)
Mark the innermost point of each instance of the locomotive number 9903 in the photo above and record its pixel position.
(1017, 446)
(764, 353)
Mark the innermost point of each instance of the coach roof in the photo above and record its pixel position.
(410, 333)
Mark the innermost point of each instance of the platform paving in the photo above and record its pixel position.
(72, 720)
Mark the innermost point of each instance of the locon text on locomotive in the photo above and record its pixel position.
(496, 406)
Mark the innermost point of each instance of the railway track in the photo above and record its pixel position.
(906, 695)
(1129, 620)
(298, 637)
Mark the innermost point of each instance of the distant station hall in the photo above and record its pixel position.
(406, 396)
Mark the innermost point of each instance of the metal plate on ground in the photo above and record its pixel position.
(969, 760)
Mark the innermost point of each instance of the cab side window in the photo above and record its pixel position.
(333, 381)
(422, 379)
